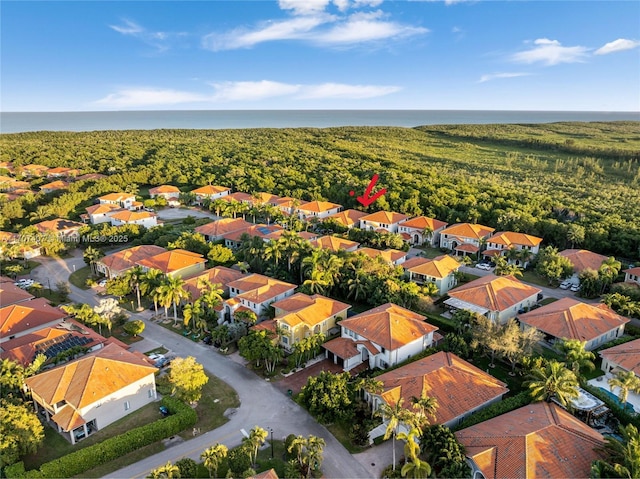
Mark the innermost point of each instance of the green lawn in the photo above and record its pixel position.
(341, 432)
(79, 277)
(429, 252)
(26, 267)
(55, 445)
(546, 301)
(532, 277)
(501, 372)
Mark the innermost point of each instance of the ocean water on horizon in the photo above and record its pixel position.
(16, 122)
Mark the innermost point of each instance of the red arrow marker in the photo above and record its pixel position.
(367, 198)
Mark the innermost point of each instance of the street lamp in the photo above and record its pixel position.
(271, 429)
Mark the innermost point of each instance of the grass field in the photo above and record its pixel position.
(79, 277)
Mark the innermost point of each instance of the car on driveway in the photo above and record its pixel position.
(484, 266)
(565, 285)
(575, 288)
(102, 283)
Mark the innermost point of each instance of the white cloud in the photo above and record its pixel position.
(241, 91)
(618, 45)
(338, 90)
(550, 52)
(310, 22)
(159, 40)
(146, 97)
(494, 76)
(129, 28)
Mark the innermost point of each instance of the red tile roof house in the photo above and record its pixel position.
(124, 200)
(233, 239)
(497, 297)
(440, 271)
(500, 243)
(141, 218)
(386, 220)
(218, 275)
(216, 230)
(348, 218)
(66, 230)
(54, 186)
(394, 257)
(632, 275)
(422, 230)
(335, 244)
(317, 209)
(459, 387)
(210, 192)
(101, 213)
(116, 264)
(168, 192)
(23, 318)
(623, 357)
(464, 238)
(381, 337)
(11, 294)
(88, 394)
(540, 440)
(255, 292)
(569, 318)
(176, 263)
(582, 259)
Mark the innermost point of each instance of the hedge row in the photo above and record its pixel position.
(623, 415)
(496, 409)
(182, 417)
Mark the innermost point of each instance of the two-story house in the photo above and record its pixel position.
(255, 292)
(168, 192)
(300, 316)
(499, 298)
(383, 220)
(116, 264)
(347, 218)
(380, 337)
(465, 238)
(123, 200)
(26, 317)
(219, 276)
(86, 395)
(65, 230)
(101, 213)
(582, 259)
(140, 218)
(317, 209)
(632, 275)
(440, 271)
(210, 192)
(502, 243)
(422, 230)
(176, 263)
(216, 230)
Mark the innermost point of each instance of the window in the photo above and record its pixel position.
(127, 405)
(150, 393)
(285, 340)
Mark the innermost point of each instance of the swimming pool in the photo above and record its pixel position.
(628, 406)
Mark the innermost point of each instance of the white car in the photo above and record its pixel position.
(565, 285)
(484, 266)
(102, 283)
(575, 288)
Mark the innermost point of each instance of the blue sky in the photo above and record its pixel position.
(320, 54)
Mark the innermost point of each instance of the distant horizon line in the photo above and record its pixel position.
(324, 110)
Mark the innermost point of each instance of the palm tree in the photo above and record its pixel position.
(426, 232)
(576, 356)
(134, 278)
(425, 407)
(394, 416)
(257, 437)
(315, 446)
(192, 312)
(212, 458)
(418, 469)
(608, 271)
(172, 292)
(627, 381)
(623, 455)
(553, 381)
(411, 446)
(274, 251)
(357, 286)
(149, 283)
(168, 471)
(91, 255)
(13, 270)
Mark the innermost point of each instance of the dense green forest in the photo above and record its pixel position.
(574, 184)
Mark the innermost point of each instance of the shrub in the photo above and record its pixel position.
(188, 467)
(496, 409)
(238, 460)
(389, 473)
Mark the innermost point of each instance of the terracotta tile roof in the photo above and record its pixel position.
(510, 238)
(539, 440)
(334, 243)
(127, 216)
(90, 378)
(262, 198)
(260, 230)
(391, 326)
(283, 201)
(173, 260)
(164, 189)
(91, 176)
(210, 190)
(625, 355)
(572, 319)
(7, 237)
(422, 222)
(458, 386)
(318, 206)
(68, 418)
(57, 225)
(258, 288)
(308, 310)
(348, 217)
(20, 317)
(218, 275)
(102, 208)
(25, 348)
(439, 267)
(36, 168)
(385, 217)
(270, 474)
(268, 325)
(127, 258)
(59, 170)
(117, 197)
(222, 227)
(468, 230)
(467, 247)
(11, 294)
(583, 259)
(16, 194)
(492, 252)
(55, 185)
(634, 271)
(495, 293)
(389, 255)
(238, 196)
(345, 348)
(415, 261)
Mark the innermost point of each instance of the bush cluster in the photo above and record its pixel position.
(496, 409)
(181, 417)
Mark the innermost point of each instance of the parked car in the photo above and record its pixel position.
(575, 288)
(102, 283)
(565, 285)
(484, 266)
